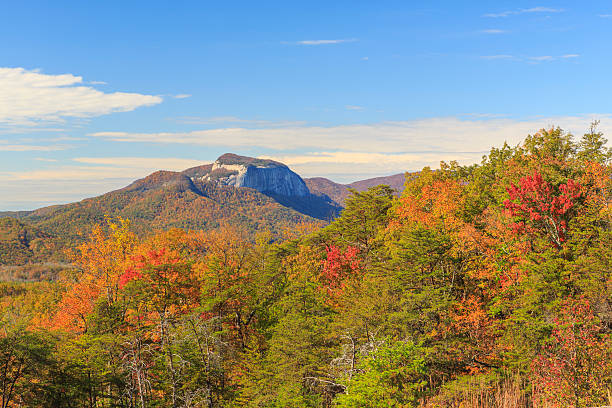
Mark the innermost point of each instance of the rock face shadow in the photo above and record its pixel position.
(317, 206)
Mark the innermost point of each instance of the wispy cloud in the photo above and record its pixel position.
(509, 13)
(352, 166)
(29, 97)
(348, 166)
(30, 194)
(530, 59)
(144, 163)
(542, 58)
(27, 129)
(493, 31)
(72, 173)
(546, 58)
(232, 120)
(6, 146)
(72, 180)
(64, 139)
(102, 168)
(323, 42)
(498, 56)
(443, 134)
(354, 107)
(605, 15)
(181, 96)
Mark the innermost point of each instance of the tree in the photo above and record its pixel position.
(574, 368)
(364, 215)
(592, 146)
(25, 361)
(100, 260)
(546, 208)
(395, 375)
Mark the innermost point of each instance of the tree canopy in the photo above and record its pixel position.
(480, 286)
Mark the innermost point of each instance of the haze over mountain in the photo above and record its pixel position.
(255, 193)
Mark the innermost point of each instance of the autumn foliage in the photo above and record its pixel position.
(534, 201)
(338, 266)
(480, 286)
(572, 367)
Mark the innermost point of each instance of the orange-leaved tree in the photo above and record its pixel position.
(100, 261)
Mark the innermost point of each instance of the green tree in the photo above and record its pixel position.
(395, 375)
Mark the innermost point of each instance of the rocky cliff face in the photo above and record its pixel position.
(265, 176)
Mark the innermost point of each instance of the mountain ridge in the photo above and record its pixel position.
(339, 192)
(189, 199)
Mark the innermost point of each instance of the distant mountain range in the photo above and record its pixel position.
(254, 193)
(339, 192)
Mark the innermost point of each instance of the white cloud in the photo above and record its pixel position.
(218, 120)
(90, 176)
(509, 13)
(6, 146)
(99, 168)
(27, 129)
(181, 96)
(497, 56)
(325, 42)
(542, 58)
(351, 166)
(143, 163)
(30, 97)
(605, 15)
(449, 134)
(354, 107)
(71, 173)
(493, 31)
(541, 10)
(31, 194)
(445, 139)
(63, 138)
(529, 59)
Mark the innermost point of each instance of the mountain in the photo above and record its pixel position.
(266, 176)
(167, 199)
(253, 193)
(339, 192)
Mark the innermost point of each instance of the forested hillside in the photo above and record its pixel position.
(167, 199)
(480, 286)
(160, 201)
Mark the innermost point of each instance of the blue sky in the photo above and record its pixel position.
(94, 95)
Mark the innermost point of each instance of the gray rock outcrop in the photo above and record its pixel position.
(265, 176)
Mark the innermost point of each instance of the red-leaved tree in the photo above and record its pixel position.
(574, 367)
(538, 206)
(338, 266)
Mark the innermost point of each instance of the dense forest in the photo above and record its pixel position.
(487, 285)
